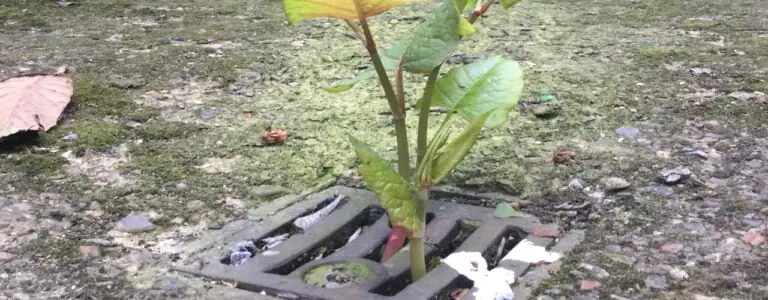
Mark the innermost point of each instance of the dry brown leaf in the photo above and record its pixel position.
(33, 102)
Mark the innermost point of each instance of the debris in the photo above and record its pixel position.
(272, 242)
(656, 282)
(488, 285)
(306, 222)
(698, 71)
(527, 252)
(753, 239)
(505, 210)
(135, 223)
(274, 136)
(697, 152)
(616, 184)
(561, 156)
(588, 285)
(355, 235)
(628, 132)
(241, 252)
(70, 137)
(33, 102)
(576, 185)
(676, 175)
(746, 96)
(207, 114)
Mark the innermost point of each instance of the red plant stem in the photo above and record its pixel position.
(477, 13)
(395, 242)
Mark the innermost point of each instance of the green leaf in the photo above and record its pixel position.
(299, 10)
(437, 38)
(470, 4)
(509, 3)
(474, 89)
(452, 154)
(395, 194)
(504, 210)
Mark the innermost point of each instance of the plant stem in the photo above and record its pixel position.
(403, 155)
(421, 143)
(418, 263)
(479, 12)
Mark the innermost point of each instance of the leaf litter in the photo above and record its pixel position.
(33, 102)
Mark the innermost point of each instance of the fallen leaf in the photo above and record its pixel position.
(33, 102)
(504, 210)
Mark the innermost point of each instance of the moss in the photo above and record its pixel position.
(35, 163)
(61, 250)
(699, 24)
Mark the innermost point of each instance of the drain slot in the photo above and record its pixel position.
(331, 243)
(454, 238)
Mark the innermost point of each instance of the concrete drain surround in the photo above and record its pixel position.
(451, 228)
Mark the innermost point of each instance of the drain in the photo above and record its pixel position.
(336, 258)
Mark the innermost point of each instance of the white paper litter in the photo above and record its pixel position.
(527, 252)
(496, 284)
(273, 241)
(489, 285)
(355, 235)
(307, 222)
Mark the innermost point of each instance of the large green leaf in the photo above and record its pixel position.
(509, 3)
(395, 193)
(452, 154)
(299, 10)
(437, 38)
(472, 90)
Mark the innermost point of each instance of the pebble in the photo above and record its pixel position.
(170, 286)
(628, 131)
(90, 251)
(678, 273)
(656, 282)
(576, 185)
(616, 184)
(135, 223)
(6, 256)
(753, 239)
(664, 191)
(195, 204)
(672, 247)
(596, 271)
(588, 285)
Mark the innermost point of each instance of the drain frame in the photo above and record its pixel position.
(257, 276)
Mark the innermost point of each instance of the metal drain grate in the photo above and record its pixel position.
(451, 228)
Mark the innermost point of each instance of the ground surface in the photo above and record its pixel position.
(172, 95)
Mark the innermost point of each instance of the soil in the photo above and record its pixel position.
(172, 97)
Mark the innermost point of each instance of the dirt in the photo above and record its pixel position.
(172, 97)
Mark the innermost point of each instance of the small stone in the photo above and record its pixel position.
(702, 297)
(135, 223)
(656, 282)
(20, 296)
(596, 271)
(678, 273)
(672, 247)
(268, 191)
(195, 204)
(576, 185)
(170, 286)
(588, 285)
(698, 71)
(628, 132)
(753, 239)
(6, 256)
(90, 251)
(616, 184)
(546, 111)
(664, 191)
